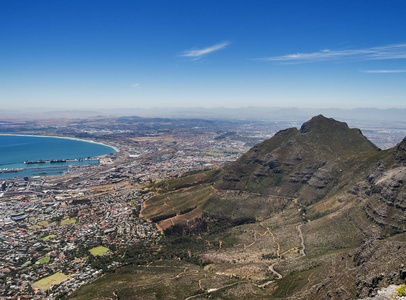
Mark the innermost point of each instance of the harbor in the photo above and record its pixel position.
(44, 168)
(29, 156)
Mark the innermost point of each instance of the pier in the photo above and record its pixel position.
(41, 161)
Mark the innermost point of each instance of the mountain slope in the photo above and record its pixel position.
(382, 193)
(304, 164)
(321, 159)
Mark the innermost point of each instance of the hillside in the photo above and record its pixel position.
(312, 213)
(304, 164)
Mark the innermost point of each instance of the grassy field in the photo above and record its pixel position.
(43, 223)
(47, 282)
(97, 251)
(43, 260)
(70, 221)
(45, 238)
(215, 153)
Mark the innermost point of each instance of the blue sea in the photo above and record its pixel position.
(16, 149)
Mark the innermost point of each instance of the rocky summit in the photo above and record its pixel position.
(305, 164)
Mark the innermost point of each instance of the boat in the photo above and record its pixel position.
(57, 160)
(40, 161)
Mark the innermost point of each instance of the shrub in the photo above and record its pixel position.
(402, 290)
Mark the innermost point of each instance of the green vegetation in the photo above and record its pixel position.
(188, 203)
(26, 264)
(215, 153)
(47, 282)
(269, 256)
(98, 251)
(43, 223)
(207, 224)
(45, 238)
(43, 260)
(69, 221)
(401, 291)
(294, 282)
(187, 180)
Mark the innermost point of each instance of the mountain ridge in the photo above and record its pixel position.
(310, 159)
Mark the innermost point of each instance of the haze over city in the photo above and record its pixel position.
(130, 54)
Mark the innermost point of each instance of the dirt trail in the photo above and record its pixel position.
(290, 250)
(220, 243)
(268, 230)
(206, 241)
(302, 251)
(273, 270)
(271, 267)
(273, 238)
(204, 279)
(255, 240)
(279, 246)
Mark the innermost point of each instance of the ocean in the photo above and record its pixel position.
(16, 149)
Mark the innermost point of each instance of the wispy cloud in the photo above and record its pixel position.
(136, 85)
(384, 71)
(375, 53)
(197, 54)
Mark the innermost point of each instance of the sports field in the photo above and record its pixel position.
(48, 237)
(70, 221)
(97, 251)
(47, 282)
(43, 260)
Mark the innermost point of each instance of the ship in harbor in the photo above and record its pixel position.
(41, 161)
(30, 162)
(57, 160)
(52, 161)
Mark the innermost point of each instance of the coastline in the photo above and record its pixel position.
(62, 137)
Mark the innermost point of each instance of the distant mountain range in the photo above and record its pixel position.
(243, 113)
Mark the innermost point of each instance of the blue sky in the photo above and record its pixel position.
(101, 54)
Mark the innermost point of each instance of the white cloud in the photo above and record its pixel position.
(384, 71)
(383, 52)
(136, 85)
(197, 54)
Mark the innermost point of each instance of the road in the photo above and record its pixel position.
(302, 251)
(273, 270)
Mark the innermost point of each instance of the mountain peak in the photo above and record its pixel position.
(332, 135)
(299, 163)
(321, 123)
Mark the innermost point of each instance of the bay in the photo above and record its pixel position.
(16, 149)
